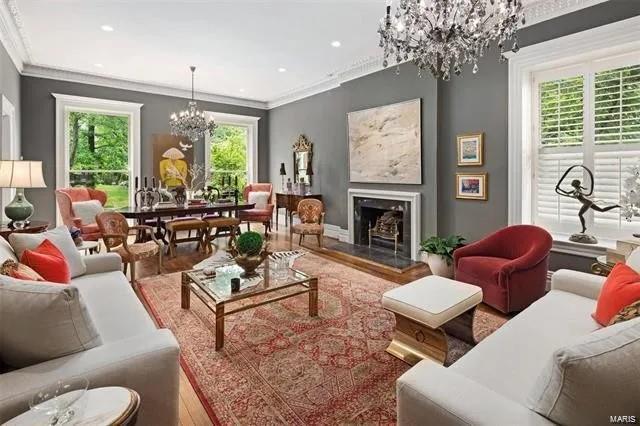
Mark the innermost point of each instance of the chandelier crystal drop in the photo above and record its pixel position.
(191, 123)
(443, 35)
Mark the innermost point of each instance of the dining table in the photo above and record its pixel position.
(157, 215)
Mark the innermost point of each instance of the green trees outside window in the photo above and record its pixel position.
(228, 154)
(99, 154)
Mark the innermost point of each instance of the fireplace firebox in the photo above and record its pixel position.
(394, 215)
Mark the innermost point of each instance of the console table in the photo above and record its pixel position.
(289, 202)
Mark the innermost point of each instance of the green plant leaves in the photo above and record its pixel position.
(442, 246)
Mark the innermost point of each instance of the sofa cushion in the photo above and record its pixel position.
(510, 360)
(42, 321)
(60, 237)
(6, 251)
(596, 377)
(48, 261)
(87, 210)
(482, 268)
(621, 288)
(115, 309)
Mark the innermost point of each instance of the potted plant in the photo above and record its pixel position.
(438, 254)
(249, 252)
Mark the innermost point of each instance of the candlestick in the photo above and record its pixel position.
(236, 181)
(145, 182)
(153, 182)
(136, 184)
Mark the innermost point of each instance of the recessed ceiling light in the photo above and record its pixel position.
(336, 43)
(107, 28)
(281, 69)
(98, 65)
(241, 90)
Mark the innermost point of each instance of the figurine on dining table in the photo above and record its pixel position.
(582, 195)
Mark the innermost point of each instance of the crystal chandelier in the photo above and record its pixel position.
(191, 123)
(443, 35)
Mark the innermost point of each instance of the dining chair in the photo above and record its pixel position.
(311, 214)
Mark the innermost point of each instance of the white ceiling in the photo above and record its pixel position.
(237, 45)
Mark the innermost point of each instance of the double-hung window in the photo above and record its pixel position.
(586, 114)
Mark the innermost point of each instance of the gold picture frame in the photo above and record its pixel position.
(468, 189)
(470, 149)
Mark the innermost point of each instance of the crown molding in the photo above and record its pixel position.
(548, 9)
(137, 86)
(12, 34)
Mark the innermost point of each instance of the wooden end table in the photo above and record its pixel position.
(215, 291)
(34, 227)
(601, 266)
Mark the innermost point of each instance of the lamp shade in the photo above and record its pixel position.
(21, 174)
(283, 171)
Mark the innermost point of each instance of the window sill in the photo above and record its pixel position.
(561, 244)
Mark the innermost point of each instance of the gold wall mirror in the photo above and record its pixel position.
(302, 156)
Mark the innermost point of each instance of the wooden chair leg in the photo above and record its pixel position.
(319, 240)
(126, 265)
(290, 239)
(248, 226)
(160, 260)
(133, 272)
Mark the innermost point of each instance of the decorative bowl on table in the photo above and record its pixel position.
(249, 252)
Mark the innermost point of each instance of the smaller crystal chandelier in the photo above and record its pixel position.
(191, 123)
(443, 35)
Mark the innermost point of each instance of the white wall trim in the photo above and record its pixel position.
(65, 103)
(549, 9)
(613, 39)
(12, 35)
(412, 197)
(248, 121)
(10, 148)
(334, 231)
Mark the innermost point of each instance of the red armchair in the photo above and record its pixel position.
(510, 265)
(263, 215)
(67, 196)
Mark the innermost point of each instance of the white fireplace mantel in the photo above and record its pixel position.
(412, 197)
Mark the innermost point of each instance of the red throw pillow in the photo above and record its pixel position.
(621, 289)
(48, 261)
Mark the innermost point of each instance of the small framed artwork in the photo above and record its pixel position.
(470, 149)
(471, 186)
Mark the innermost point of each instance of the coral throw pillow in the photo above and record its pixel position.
(621, 289)
(19, 271)
(48, 261)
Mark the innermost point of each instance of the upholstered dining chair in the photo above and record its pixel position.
(66, 197)
(509, 265)
(115, 232)
(311, 214)
(263, 210)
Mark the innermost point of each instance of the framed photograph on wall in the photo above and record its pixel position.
(470, 149)
(471, 186)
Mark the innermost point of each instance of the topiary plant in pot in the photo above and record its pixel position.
(438, 253)
(249, 252)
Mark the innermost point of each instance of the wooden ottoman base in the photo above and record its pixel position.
(412, 341)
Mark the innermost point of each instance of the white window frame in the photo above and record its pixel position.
(251, 124)
(67, 103)
(608, 41)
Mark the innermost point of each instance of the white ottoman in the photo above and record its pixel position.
(426, 311)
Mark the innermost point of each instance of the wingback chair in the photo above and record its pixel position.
(67, 196)
(509, 265)
(115, 233)
(311, 215)
(262, 214)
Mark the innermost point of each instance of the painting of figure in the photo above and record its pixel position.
(170, 163)
(385, 144)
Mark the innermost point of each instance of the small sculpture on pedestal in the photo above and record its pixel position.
(582, 194)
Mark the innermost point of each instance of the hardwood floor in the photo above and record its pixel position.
(191, 410)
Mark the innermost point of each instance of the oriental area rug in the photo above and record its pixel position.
(280, 366)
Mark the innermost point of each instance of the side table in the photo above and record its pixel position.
(601, 266)
(289, 202)
(35, 227)
(108, 406)
(89, 247)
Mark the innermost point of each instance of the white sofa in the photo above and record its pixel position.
(490, 385)
(133, 353)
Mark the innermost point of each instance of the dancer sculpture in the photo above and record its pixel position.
(582, 194)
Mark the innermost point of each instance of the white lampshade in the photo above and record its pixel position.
(21, 174)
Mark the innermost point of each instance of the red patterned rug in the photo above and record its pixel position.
(280, 366)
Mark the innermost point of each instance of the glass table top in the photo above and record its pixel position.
(269, 278)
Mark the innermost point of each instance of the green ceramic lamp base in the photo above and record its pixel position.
(19, 210)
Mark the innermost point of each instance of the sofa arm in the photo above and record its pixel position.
(430, 394)
(106, 262)
(580, 283)
(148, 364)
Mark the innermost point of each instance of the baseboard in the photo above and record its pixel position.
(331, 231)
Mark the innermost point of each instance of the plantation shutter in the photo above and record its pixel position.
(616, 136)
(561, 112)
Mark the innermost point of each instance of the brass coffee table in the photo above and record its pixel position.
(215, 291)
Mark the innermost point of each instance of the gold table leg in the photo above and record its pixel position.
(185, 291)
(219, 326)
(313, 297)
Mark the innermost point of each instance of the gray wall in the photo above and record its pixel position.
(465, 104)
(39, 128)
(323, 118)
(9, 85)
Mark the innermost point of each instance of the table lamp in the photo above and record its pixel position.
(20, 174)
